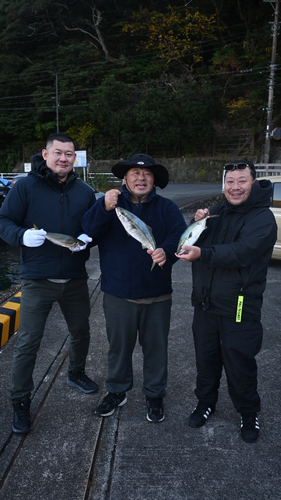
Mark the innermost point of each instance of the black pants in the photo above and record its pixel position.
(124, 320)
(220, 341)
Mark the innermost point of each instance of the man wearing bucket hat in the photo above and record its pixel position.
(136, 298)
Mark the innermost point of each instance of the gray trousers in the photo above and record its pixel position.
(124, 320)
(37, 299)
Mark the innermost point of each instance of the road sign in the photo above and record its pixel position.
(81, 159)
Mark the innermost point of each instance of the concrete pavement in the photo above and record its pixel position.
(74, 455)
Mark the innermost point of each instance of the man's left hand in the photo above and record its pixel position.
(83, 237)
(158, 256)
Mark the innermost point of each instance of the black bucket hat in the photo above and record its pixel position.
(161, 174)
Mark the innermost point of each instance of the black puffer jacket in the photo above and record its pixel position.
(235, 252)
(58, 208)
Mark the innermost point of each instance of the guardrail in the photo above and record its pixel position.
(107, 175)
(91, 175)
(8, 175)
(262, 170)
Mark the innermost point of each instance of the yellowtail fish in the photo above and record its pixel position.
(192, 233)
(63, 240)
(136, 228)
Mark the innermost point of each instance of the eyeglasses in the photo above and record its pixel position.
(236, 166)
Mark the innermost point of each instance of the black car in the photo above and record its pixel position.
(5, 187)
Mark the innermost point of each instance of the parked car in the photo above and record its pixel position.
(276, 209)
(18, 176)
(98, 194)
(5, 186)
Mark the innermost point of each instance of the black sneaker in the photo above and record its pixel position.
(21, 419)
(199, 416)
(82, 382)
(155, 409)
(110, 403)
(250, 428)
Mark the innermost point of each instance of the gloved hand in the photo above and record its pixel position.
(34, 237)
(83, 237)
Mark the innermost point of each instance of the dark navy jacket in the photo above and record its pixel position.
(235, 252)
(40, 199)
(125, 265)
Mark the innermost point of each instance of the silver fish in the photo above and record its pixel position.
(192, 233)
(63, 240)
(136, 228)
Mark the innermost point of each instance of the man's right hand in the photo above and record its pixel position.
(111, 199)
(191, 253)
(201, 214)
(34, 237)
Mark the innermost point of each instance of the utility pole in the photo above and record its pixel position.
(57, 100)
(271, 82)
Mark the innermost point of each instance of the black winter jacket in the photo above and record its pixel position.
(125, 265)
(235, 251)
(58, 208)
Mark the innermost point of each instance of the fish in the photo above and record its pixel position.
(192, 233)
(136, 228)
(63, 240)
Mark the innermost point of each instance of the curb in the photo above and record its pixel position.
(9, 318)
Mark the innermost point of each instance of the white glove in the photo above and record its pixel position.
(83, 237)
(34, 237)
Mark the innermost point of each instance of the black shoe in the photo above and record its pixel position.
(199, 416)
(110, 403)
(82, 382)
(155, 409)
(250, 428)
(21, 419)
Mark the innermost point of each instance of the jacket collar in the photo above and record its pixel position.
(127, 195)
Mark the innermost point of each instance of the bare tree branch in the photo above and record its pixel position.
(96, 18)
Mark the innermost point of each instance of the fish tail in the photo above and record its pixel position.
(153, 264)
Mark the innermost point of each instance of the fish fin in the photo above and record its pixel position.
(127, 231)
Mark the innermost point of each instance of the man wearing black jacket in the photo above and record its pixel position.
(53, 198)
(229, 266)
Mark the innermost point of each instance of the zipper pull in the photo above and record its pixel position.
(239, 308)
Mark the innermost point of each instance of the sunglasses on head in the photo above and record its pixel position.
(236, 166)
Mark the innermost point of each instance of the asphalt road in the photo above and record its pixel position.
(184, 194)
